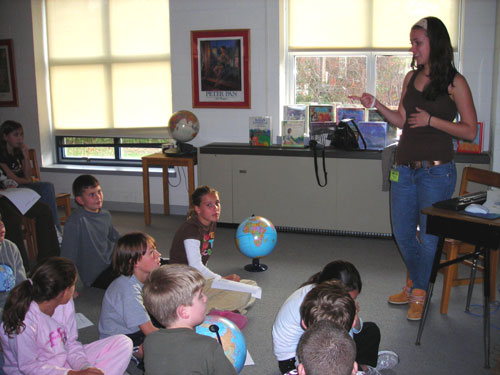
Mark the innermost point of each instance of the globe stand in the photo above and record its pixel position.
(255, 266)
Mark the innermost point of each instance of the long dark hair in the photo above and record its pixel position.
(338, 270)
(5, 129)
(442, 66)
(49, 278)
(196, 198)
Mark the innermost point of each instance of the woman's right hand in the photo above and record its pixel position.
(367, 100)
(232, 277)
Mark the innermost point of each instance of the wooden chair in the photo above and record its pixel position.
(29, 235)
(452, 248)
(62, 199)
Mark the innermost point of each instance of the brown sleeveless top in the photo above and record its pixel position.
(425, 143)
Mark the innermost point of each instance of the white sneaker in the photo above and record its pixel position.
(369, 371)
(387, 360)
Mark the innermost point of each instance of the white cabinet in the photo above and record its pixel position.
(281, 186)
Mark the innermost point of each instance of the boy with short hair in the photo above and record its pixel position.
(326, 349)
(89, 234)
(173, 295)
(328, 301)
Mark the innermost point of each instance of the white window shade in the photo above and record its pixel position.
(363, 24)
(109, 64)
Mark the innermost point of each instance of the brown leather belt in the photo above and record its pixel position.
(423, 163)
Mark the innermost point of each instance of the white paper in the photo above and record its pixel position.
(249, 360)
(22, 198)
(255, 291)
(82, 321)
(493, 201)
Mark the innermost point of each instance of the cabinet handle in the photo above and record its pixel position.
(243, 171)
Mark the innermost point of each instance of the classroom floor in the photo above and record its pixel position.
(451, 344)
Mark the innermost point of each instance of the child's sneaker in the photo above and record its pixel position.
(387, 360)
(369, 371)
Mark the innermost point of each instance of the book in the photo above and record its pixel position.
(357, 114)
(260, 131)
(375, 134)
(321, 113)
(293, 133)
(295, 112)
(475, 146)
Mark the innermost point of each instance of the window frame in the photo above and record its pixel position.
(116, 145)
(371, 61)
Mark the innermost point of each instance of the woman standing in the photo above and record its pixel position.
(424, 171)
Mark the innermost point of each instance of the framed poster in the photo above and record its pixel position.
(8, 88)
(220, 68)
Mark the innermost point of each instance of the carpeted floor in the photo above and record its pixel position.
(451, 344)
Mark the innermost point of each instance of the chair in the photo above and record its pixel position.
(453, 248)
(29, 235)
(62, 199)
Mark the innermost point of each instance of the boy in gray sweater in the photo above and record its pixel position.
(89, 236)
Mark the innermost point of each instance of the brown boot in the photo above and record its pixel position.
(417, 300)
(403, 297)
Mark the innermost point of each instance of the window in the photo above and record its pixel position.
(338, 48)
(109, 74)
(105, 150)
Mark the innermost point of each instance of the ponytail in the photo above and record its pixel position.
(16, 307)
(50, 277)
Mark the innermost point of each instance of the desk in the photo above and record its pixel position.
(159, 159)
(484, 234)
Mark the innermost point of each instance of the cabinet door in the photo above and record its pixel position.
(283, 190)
(215, 170)
(362, 205)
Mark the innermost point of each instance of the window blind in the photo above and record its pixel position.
(109, 65)
(363, 24)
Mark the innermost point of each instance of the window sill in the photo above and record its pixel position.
(107, 170)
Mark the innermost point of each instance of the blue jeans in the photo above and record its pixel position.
(417, 189)
(48, 196)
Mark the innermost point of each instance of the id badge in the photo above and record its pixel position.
(394, 177)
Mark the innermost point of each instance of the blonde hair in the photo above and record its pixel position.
(169, 287)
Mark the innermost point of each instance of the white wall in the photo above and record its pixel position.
(262, 17)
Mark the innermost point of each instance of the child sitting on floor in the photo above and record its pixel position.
(39, 333)
(123, 311)
(193, 245)
(89, 234)
(327, 349)
(174, 296)
(287, 330)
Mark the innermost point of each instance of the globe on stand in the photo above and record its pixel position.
(229, 335)
(183, 126)
(256, 237)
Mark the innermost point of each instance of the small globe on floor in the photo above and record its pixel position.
(233, 341)
(256, 237)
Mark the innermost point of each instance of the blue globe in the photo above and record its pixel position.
(256, 237)
(233, 341)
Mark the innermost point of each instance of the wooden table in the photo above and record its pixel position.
(159, 159)
(484, 234)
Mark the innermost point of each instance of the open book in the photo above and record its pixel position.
(255, 291)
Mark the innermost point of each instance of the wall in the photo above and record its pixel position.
(262, 17)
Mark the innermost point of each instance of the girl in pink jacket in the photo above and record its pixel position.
(39, 334)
